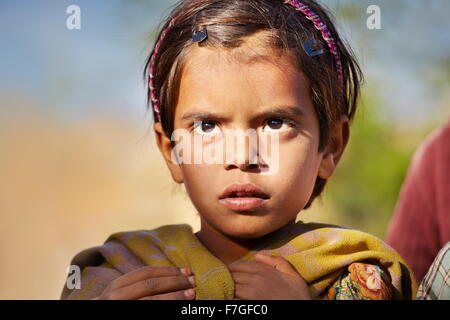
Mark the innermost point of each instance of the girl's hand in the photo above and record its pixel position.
(151, 283)
(267, 278)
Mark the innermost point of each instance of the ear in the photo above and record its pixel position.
(333, 151)
(165, 147)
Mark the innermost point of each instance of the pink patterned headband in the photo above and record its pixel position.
(298, 5)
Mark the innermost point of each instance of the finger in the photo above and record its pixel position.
(177, 295)
(150, 287)
(247, 266)
(243, 277)
(277, 262)
(145, 273)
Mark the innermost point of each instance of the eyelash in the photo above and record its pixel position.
(288, 121)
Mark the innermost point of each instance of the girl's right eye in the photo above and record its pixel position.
(206, 127)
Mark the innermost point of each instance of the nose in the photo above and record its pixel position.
(250, 167)
(246, 166)
(244, 154)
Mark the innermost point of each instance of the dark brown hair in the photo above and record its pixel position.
(228, 22)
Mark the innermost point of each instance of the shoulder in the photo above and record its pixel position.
(164, 231)
(125, 242)
(361, 259)
(361, 281)
(439, 137)
(434, 150)
(329, 234)
(88, 257)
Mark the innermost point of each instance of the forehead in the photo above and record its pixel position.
(210, 61)
(252, 74)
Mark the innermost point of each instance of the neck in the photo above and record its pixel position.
(225, 248)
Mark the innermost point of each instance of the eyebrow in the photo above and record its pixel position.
(283, 112)
(279, 111)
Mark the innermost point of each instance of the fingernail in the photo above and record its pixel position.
(185, 271)
(191, 280)
(189, 293)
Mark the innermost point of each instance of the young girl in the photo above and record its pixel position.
(280, 69)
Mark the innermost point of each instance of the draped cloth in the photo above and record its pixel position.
(320, 253)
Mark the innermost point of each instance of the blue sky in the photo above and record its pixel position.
(75, 73)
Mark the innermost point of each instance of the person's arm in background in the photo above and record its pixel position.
(421, 222)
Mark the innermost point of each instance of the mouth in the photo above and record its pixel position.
(243, 197)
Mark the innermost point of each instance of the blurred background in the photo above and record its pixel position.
(78, 159)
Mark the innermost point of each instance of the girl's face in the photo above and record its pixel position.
(264, 92)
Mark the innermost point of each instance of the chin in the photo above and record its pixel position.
(249, 230)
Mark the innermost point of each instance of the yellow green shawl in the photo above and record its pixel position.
(319, 252)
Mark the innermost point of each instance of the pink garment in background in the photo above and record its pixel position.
(420, 226)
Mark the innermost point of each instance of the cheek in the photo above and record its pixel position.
(199, 181)
(300, 158)
(299, 165)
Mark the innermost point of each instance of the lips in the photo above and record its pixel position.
(243, 197)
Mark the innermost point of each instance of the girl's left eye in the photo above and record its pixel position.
(274, 125)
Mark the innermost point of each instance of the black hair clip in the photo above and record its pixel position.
(313, 48)
(199, 36)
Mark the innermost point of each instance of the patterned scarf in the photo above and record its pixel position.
(320, 253)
